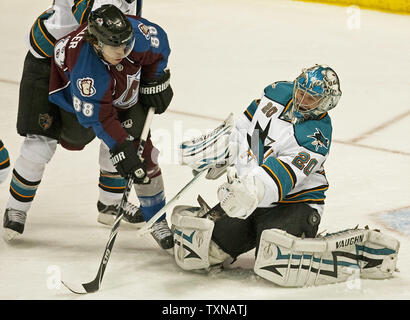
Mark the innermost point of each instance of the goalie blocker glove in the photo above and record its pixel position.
(157, 92)
(126, 160)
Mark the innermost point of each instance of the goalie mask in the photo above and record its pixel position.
(111, 32)
(316, 90)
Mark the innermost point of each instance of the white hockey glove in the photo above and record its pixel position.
(214, 151)
(239, 197)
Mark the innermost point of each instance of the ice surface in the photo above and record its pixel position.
(224, 52)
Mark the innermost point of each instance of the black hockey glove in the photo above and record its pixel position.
(125, 159)
(157, 92)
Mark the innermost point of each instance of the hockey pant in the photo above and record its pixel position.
(237, 236)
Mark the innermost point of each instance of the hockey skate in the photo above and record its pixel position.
(163, 235)
(132, 214)
(13, 223)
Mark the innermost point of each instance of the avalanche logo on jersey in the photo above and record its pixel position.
(130, 95)
(86, 87)
(144, 30)
(319, 140)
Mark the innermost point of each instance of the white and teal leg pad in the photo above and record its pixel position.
(290, 261)
(192, 237)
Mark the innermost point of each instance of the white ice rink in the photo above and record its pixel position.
(224, 52)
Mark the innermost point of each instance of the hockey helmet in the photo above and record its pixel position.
(316, 90)
(110, 26)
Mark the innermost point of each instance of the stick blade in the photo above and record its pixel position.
(75, 288)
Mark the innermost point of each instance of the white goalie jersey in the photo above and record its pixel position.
(287, 157)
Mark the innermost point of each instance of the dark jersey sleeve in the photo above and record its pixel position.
(81, 10)
(151, 47)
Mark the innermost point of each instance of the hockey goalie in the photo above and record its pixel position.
(273, 157)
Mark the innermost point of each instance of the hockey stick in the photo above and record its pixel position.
(148, 225)
(94, 285)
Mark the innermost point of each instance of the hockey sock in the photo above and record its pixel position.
(24, 183)
(111, 187)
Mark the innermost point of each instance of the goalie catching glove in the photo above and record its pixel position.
(157, 92)
(125, 159)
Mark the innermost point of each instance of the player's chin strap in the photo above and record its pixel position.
(344, 256)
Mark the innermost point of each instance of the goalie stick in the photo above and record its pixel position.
(94, 285)
(147, 227)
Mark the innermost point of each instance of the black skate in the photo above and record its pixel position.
(132, 214)
(163, 235)
(13, 223)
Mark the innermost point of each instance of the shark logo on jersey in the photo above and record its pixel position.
(144, 30)
(319, 140)
(86, 87)
(256, 142)
(45, 120)
(130, 95)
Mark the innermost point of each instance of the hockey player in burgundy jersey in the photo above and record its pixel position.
(109, 72)
(90, 80)
(41, 122)
(44, 124)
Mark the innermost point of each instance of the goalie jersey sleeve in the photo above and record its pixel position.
(287, 157)
(95, 91)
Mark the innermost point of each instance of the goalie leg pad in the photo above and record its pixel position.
(384, 251)
(192, 237)
(290, 261)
